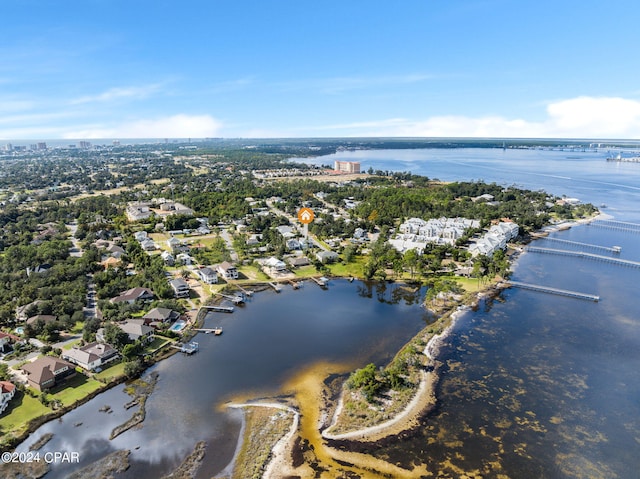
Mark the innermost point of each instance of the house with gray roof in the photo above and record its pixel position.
(91, 356)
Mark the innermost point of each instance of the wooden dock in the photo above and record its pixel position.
(236, 299)
(220, 309)
(322, 282)
(216, 331)
(294, 284)
(276, 287)
(189, 348)
(246, 292)
(548, 289)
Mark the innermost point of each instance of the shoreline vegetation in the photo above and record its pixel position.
(347, 416)
(401, 413)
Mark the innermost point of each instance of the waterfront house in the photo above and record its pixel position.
(275, 265)
(207, 275)
(47, 371)
(180, 288)
(299, 261)
(327, 256)
(7, 391)
(137, 330)
(164, 315)
(227, 270)
(91, 356)
(134, 294)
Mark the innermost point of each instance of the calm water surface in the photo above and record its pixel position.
(536, 385)
(263, 344)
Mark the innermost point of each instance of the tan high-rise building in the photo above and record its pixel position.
(347, 166)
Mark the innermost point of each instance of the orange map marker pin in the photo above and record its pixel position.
(305, 215)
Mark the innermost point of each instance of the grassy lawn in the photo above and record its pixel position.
(471, 285)
(349, 269)
(71, 345)
(156, 344)
(305, 271)
(75, 388)
(77, 328)
(253, 273)
(22, 409)
(112, 372)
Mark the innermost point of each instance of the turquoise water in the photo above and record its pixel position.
(178, 326)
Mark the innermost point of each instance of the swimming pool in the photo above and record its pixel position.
(178, 326)
(20, 330)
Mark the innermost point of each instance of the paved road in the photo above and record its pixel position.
(224, 234)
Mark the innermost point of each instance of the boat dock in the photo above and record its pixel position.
(220, 309)
(294, 284)
(322, 282)
(613, 249)
(581, 254)
(216, 331)
(236, 299)
(548, 289)
(246, 292)
(188, 348)
(276, 287)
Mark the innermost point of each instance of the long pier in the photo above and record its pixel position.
(613, 249)
(557, 291)
(582, 254)
(616, 225)
(276, 287)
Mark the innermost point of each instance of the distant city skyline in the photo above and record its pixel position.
(99, 69)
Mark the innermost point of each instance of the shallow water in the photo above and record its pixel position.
(263, 344)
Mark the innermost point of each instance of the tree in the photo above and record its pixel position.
(4, 372)
(366, 380)
(410, 260)
(131, 350)
(115, 336)
(133, 369)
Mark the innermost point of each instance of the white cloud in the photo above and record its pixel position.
(581, 117)
(137, 92)
(176, 126)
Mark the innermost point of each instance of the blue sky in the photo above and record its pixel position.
(497, 68)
